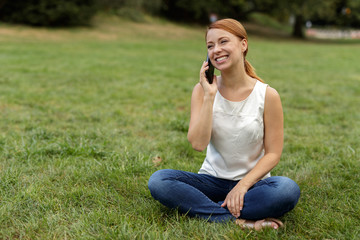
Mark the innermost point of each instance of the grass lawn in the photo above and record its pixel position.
(87, 115)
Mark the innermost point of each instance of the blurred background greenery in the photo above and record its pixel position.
(343, 14)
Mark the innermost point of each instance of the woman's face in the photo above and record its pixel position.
(225, 49)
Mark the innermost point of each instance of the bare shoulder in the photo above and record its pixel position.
(272, 101)
(272, 95)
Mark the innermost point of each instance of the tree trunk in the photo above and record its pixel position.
(298, 27)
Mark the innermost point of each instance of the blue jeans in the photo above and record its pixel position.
(201, 195)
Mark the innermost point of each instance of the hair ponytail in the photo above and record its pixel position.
(236, 28)
(250, 70)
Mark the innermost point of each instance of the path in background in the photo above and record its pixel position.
(332, 34)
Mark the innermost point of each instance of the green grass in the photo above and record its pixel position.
(84, 113)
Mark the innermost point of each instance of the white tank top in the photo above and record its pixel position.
(236, 143)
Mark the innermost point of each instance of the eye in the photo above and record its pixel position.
(223, 41)
(209, 46)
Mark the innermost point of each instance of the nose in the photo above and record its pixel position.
(217, 48)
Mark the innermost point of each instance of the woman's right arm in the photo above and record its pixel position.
(202, 101)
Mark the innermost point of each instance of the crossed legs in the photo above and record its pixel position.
(200, 195)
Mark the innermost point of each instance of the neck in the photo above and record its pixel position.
(235, 77)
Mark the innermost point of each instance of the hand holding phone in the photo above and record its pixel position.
(210, 72)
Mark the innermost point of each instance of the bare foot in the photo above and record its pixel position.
(260, 224)
(245, 224)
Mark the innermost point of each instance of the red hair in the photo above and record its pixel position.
(236, 28)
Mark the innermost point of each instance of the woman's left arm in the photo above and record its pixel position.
(273, 144)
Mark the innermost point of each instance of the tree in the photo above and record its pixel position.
(48, 12)
(199, 10)
(352, 11)
(301, 10)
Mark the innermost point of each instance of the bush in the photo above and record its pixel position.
(49, 12)
(133, 6)
(131, 13)
(200, 10)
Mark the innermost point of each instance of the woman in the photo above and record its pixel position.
(239, 119)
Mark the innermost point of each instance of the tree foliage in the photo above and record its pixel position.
(351, 13)
(72, 12)
(300, 10)
(342, 13)
(149, 6)
(199, 11)
(345, 13)
(48, 12)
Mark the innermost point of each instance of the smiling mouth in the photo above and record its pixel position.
(221, 58)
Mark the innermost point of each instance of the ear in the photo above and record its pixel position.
(244, 45)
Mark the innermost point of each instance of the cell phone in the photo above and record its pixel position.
(210, 72)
